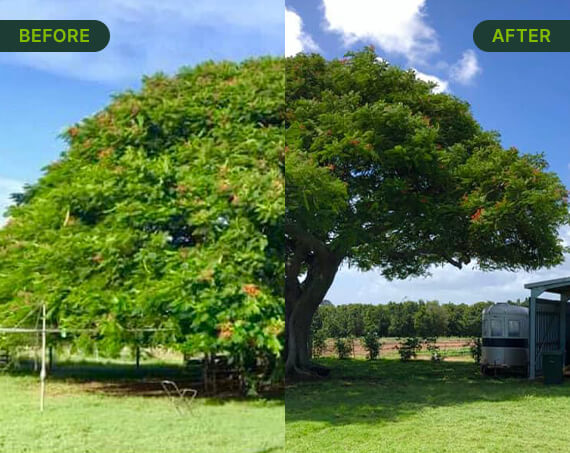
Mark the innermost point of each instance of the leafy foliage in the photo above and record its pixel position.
(372, 345)
(343, 347)
(432, 347)
(403, 178)
(475, 347)
(400, 319)
(319, 343)
(408, 348)
(165, 212)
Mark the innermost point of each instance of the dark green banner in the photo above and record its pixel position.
(523, 35)
(53, 35)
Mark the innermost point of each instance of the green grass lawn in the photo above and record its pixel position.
(421, 406)
(106, 409)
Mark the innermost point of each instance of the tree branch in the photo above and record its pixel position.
(306, 238)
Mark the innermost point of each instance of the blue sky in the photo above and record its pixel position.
(524, 96)
(42, 93)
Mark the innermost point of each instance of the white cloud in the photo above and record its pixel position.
(397, 27)
(149, 36)
(296, 40)
(466, 68)
(446, 284)
(7, 187)
(442, 85)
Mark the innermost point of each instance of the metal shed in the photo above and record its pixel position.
(547, 321)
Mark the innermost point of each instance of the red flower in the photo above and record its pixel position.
(475, 217)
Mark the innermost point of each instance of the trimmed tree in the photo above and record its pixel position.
(383, 173)
(166, 212)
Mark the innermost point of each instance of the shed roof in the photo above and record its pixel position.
(557, 285)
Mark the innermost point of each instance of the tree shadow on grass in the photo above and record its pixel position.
(387, 390)
(120, 380)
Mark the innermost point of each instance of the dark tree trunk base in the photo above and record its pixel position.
(311, 373)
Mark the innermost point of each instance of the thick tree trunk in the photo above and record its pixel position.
(302, 301)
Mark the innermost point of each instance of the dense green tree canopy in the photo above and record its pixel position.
(407, 177)
(166, 212)
(400, 319)
(383, 173)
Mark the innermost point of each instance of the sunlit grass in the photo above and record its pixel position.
(92, 410)
(422, 406)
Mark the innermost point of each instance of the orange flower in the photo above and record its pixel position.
(234, 199)
(181, 189)
(251, 290)
(224, 186)
(105, 153)
(98, 258)
(225, 330)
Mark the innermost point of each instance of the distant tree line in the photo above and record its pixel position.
(400, 319)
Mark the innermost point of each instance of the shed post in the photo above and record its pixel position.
(532, 334)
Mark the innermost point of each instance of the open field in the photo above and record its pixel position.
(449, 347)
(95, 408)
(421, 406)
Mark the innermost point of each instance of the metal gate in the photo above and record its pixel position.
(547, 329)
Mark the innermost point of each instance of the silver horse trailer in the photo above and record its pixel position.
(505, 338)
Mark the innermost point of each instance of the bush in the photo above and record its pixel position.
(475, 349)
(409, 348)
(433, 348)
(319, 343)
(372, 345)
(343, 348)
